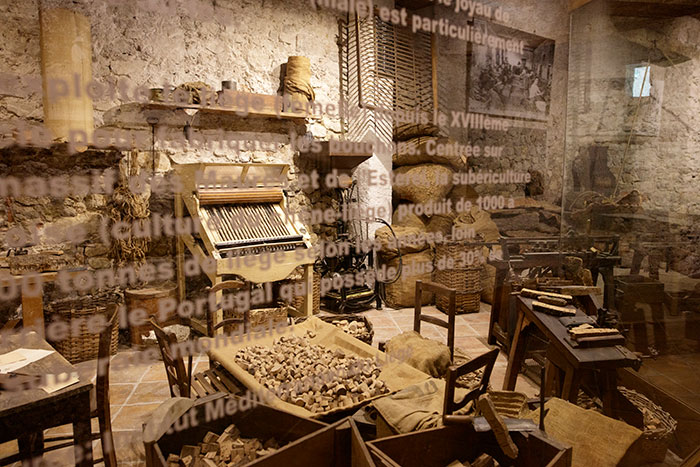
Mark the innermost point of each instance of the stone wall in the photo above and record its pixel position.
(527, 145)
(145, 43)
(661, 161)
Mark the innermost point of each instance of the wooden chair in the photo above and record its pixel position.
(180, 378)
(451, 311)
(99, 398)
(212, 324)
(485, 361)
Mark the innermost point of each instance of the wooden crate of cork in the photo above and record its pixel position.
(220, 430)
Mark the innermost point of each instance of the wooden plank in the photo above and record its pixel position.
(530, 293)
(498, 426)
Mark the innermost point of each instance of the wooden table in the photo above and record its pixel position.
(25, 414)
(574, 362)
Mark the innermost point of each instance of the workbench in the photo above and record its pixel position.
(574, 363)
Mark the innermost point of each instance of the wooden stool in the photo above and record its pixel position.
(148, 299)
(632, 290)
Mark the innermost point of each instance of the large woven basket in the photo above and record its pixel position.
(467, 283)
(80, 344)
(659, 426)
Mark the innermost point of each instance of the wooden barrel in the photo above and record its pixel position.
(148, 299)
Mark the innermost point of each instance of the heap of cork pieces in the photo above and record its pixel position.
(312, 376)
(226, 450)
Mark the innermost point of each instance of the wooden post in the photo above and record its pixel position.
(33, 307)
(309, 282)
(180, 252)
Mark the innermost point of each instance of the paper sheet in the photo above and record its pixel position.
(53, 382)
(19, 358)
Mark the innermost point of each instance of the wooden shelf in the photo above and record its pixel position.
(232, 110)
(327, 160)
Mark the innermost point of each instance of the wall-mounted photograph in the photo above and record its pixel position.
(510, 83)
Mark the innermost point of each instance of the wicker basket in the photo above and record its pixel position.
(298, 300)
(81, 345)
(467, 282)
(366, 338)
(659, 426)
(458, 266)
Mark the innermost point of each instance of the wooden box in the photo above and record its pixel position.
(259, 421)
(439, 447)
(338, 445)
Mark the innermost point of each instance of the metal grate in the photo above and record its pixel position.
(383, 67)
(242, 225)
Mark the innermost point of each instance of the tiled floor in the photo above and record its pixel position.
(137, 389)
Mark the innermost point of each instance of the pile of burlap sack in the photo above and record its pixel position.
(434, 176)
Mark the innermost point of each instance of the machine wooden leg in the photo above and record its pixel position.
(497, 306)
(551, 379)
(309, 282)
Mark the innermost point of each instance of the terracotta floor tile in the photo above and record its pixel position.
(155, 372)
(471, 344)
(118, 392)
(128, 374)
(154, 391)
(382, 321)
(465, 330)
(132, 417)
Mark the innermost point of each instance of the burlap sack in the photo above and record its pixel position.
(408, 220)
(480, 221)
(422, 183)
(415, 151)
(408, 240)
(442, 224)
(417, 407)
(416, 266)
(596, 439)
(426, 355)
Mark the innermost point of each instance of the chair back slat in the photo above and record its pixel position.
(179, 377)
(427, 286)
(485, 361)
(102, 387)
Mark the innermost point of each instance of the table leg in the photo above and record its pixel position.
(496, 308)
(572, 381)
(517, 352)
(82, 432)
(608, 288)
(659, 323)
(551, 379)
(608, 389)
(31, 447)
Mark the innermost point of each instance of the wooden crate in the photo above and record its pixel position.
(338, 445)
(438, 447)
(260, 421)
